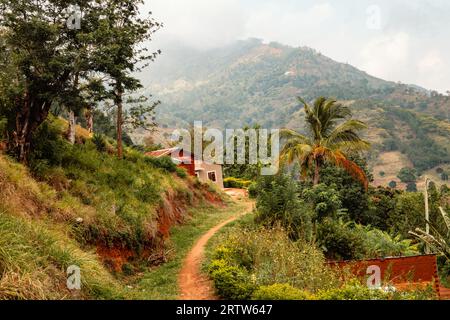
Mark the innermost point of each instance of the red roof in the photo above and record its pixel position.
(175, 153)
(161, 153)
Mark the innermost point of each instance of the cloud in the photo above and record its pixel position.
(385, 55)
(199, 23)
(274, 23)
(431, 62)
(432, 70)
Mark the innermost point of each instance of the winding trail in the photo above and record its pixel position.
(193, 284)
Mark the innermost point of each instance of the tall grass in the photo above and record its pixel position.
(34, 258)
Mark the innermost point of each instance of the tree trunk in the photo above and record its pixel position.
(72, 123)
(30, 115)
(316, 173)
(72, 118)
(119, 103)
(89, 120)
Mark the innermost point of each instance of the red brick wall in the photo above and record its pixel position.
(400, 271)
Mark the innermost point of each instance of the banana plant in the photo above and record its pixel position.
(438, 242)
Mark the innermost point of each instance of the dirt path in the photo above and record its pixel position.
(194, 285)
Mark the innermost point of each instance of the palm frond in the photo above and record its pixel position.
(351, 167)
(292, 134)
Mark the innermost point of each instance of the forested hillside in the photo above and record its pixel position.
(250, 83)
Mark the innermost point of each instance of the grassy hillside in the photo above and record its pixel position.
(79, 206)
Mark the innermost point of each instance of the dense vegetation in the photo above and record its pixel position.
(332, 218)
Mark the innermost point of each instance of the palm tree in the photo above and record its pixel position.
(327, 141)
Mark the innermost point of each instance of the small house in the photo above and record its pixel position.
(204, 171)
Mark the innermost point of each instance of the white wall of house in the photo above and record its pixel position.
(210, 173)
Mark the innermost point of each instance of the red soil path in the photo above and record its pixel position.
(194, 285)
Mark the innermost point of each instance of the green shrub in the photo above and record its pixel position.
(236, 183)
(253, 190)
(278, 202)
(48, 144)
(407, 175)
(380, 244)
(231, 282)
(165, 163)
(270, 257)
(280, 292)
(99, 142)
(181, 172)
(411, 187)
(324, 199)
(340, 241)
(352, 291)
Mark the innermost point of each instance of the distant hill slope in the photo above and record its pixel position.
(251, 82)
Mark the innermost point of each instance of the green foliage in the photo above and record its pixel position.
(165, 163)
(278, 202)
(340, 241)
(280, 292)
(382, 202)
(325, 200)
(380, 244)
(350, 241)
(411, 187)
(241, 143)
(353, 196)
(392, 184)
(390, 144)
(181, 172)
(231, 282)
(48, 145)
(100, 142)
(231, 182)
(444, 176)
(352, 291)
(253, 190)
(265, 257)
(407, 175)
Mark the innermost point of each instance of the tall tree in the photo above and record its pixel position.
(123, 33)
(48, 59)
(327, 141)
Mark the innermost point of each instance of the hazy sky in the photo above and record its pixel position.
(398, 40)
